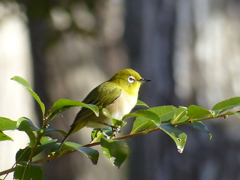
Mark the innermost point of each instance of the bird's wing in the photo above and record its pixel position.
(102, 96)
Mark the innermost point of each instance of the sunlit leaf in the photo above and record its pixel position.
(32, 137)
(227, 104)
(24, 83)
(142, 124)
(195, 112)
(165, 113)
(141, 103)
(4, 137)
(96, 134)
(145, 114)
(25, 124)
(7, 124)
(180, 114)
(45, 142)
(64, 104)
(237, 114)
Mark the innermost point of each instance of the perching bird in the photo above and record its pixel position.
(118, 95)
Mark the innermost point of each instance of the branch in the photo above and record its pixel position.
(95, 144)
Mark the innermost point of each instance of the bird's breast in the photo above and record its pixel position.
(122, 105)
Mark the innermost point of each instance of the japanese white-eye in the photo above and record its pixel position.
(118, 95)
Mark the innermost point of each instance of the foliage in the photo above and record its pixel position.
(165, 118)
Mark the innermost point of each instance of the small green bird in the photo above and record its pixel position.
(118, 95)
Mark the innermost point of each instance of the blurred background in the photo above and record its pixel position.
(189, 48)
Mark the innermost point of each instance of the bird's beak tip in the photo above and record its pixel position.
(144, 80)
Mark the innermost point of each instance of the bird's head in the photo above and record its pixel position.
(129, 80)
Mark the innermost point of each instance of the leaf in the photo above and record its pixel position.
(200, 126)
(180, 114)
(146, 114)
(115, 150)
(28, 171)
(25, 124)
(67, 146)
(23, 154)
(92, 154)
(115, 122)
(25, 84)
(165, 113)
(178, 136)
(195, 112)
(45, 143)
(226, 105)
(106, 113)
(64, 104)
(142, 123)
(141, 103)
(51, 128)
(7, 124)
(31, 137)
(237, 114)
(97, 134)
(4, 137)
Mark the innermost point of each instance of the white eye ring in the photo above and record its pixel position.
(131, 79)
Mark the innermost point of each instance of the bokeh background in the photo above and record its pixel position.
(189, 48)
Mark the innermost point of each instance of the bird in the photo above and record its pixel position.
(118, 95)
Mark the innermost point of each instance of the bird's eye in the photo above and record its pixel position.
(131, 79)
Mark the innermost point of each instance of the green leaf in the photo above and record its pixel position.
(142, 123)
(195, 112)
(226, 105)
(178, 136)
(96, 134)
(25, 84)
(45, 142)
(28, 171)
(200, 126)
(51, 128)
(7, 124)
(106, 113)
(237, 114)
(31, 137)
(64, 104)
(141, 103)
(4, 137)
(92, 154)
(25, 124)
(23, 154)
(146, 114)
(67, 146)
(115, 150)
(180, 114)
(165, 113)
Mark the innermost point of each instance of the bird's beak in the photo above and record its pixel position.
(144, 80)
